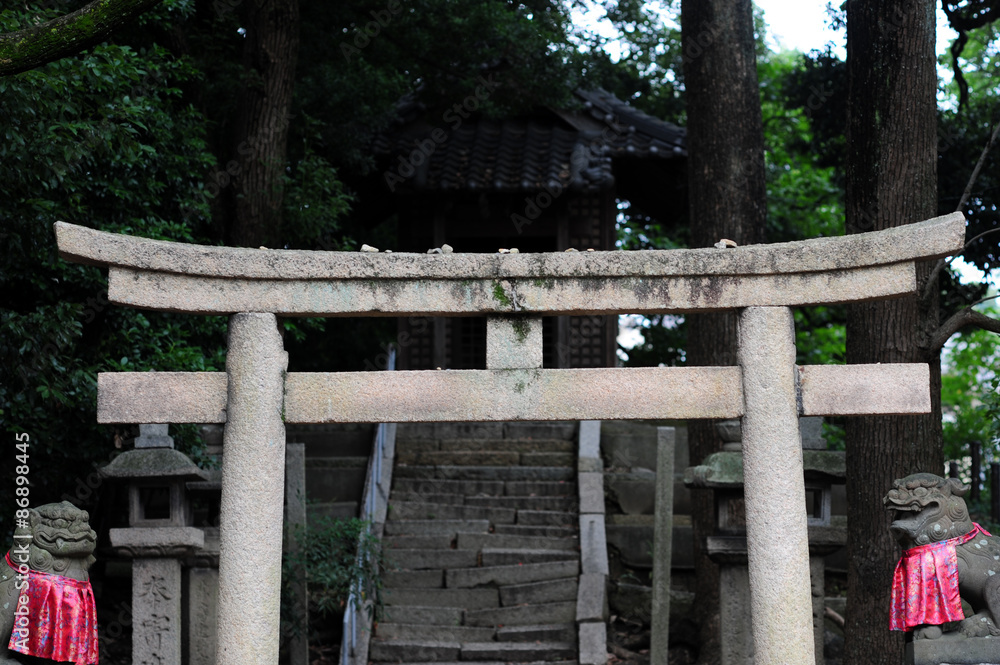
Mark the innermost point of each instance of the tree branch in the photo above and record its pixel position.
(959, 320)
(66, 35)
(931, 282)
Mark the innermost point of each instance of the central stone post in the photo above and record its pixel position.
(253, 474)
(777, 535)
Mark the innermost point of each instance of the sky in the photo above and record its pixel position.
(802, 25)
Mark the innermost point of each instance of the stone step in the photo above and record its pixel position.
(461, 578)
(467, 598)
(332, 509)
(420, 651)
(435, 527)
(540, 487)
(547, 473)
(420, 497)
(518, 445)
(444, 511)
(560, 503)
(548, 459)
(522, 615)
(413, 579)
(517, 557)
(423, 559)
(547, 518)
(478, 541)
(439, 542)
(551, 632)
(549, 591)
(441, 486)
(518, 652)
(459, 457)
(412, 631)
(336, 479)
(438, 616)
(535, 530)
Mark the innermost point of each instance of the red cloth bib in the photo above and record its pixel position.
(925, 584)
(62, 619)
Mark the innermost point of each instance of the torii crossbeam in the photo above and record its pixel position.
(255, 397)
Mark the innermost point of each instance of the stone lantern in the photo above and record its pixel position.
(722, 472)
(159, 534)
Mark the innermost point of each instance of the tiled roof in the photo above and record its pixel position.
(547, 150)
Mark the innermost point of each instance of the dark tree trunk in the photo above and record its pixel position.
(891, 181)
(728, 200)
(259, 151)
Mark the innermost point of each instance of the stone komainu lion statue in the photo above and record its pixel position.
(947, 559)
(46, 603)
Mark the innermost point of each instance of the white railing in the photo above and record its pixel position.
(374, 492)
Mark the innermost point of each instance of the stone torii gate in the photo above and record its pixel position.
(255, 396)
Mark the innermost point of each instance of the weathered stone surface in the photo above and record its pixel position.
(468, 598)
(153, 538)
(169, 397)
(413, 579)
(153, 463)
(518, 651)
(435, 527)
(560, 503)
(203, 607)
(519, 445)
(548, 459)
(842, 390)
(590, 439)
(409, 631)
(548, 591)
(438, 616)
(591, 488)
(781, 602)
(413, 650)
(593, 547)
(416, 497)
(633, 491)
(497, 395)
(460, 487)
(552, 632)
(542, 531)
(442, 542)
(511, 557)
(553, 517)
(154, 436)
(460, 578)
(592, 598)
(435, 559)
(593, 644)
(547, 473)
(253, 471)
(474, 541)
(513, 342)
(538, 488)
(444, 511)
(461, 458)
(663, 544)
(523, 615)
(939, 236)
(156, 611)
(973, 651)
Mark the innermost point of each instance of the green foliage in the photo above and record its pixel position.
(968, 392)
(336, 555)
(106, 140)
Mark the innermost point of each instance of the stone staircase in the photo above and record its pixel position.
(483, 547)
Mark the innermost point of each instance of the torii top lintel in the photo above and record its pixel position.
(199, 279)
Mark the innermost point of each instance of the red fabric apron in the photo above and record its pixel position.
(925, 584)
(61, 620)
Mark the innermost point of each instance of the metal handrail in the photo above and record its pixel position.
(349, 640)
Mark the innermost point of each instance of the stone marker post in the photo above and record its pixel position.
(777, 535)
(663, 531)
(253, 477)
(295, 522)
